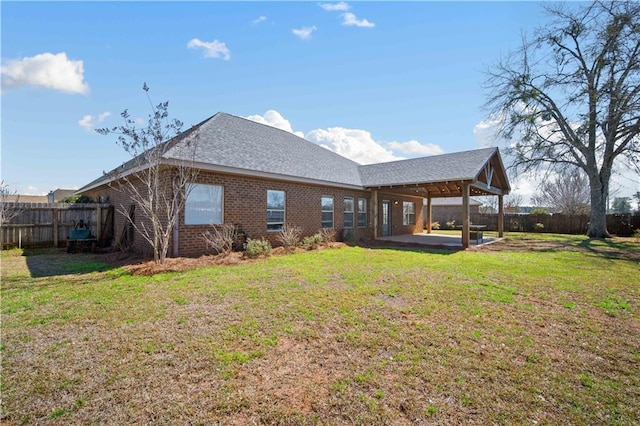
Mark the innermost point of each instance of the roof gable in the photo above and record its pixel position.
(457, 166)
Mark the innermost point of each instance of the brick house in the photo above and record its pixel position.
(260, 178)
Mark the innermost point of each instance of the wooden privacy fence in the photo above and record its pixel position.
(49, 225)
(618, 224)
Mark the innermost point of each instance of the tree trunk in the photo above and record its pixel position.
(598, 217)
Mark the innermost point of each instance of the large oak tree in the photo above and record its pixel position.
(570, 96)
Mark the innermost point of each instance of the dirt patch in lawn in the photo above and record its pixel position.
(617, 247)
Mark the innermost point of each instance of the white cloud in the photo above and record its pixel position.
(355, 144)
(413, 147)
(331, 7)
(212, 49)
(88, 122)
(304, 33)
(349, 19)
(48, 70)
(274, 119)
(485, 132)
(259, 20)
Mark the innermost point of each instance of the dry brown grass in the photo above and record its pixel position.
(350, 336)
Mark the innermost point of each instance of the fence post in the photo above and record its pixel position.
(54, 213)
(99, 222)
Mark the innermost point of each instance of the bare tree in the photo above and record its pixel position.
(513, 202)
(158, 189)
(8, 209)
(571, 96)
(568, 193)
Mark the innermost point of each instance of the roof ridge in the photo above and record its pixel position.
(457, 153)
(288, 133)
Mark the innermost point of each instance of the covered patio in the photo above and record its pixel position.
(464, 174)
(437, 240)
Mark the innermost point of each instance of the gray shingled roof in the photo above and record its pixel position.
(239, 144)
(236, 142)
(447, 167)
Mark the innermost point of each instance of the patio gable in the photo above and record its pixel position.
(441, 175)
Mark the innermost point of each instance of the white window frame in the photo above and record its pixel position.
(363, 213)
(408, 217)
(206, 215)
(347, 213)
(283, 210)
(322, 209)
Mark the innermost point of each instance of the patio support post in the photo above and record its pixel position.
(500, 215)
(428, 214)
(374, 201)
(465, 215)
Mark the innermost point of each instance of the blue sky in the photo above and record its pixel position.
(373, 81)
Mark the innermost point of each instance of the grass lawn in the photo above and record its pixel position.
(543, 331)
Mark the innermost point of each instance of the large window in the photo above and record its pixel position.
(408, 213)
(275, 210)
(362, 212)
(348, 212)
(204, 205)
(327, 212)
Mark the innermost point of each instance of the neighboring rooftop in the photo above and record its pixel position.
(451, 201)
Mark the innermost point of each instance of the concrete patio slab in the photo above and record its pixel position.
(436, 240)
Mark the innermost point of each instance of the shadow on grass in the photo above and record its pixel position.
(611, 248)
(416, 248)
(54, 262)
(614, 248)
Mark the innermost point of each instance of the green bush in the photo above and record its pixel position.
(539, 210)
(78, 199)
(257, 248)
(312, 242)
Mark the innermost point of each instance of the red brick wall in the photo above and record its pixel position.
(245, 205)
(397, 228)
(118, 195)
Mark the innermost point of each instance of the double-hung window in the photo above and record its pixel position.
(362, 212)
(327, 212)
(348, 212)
(204, 205)
(408, 213)
(275, 210)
